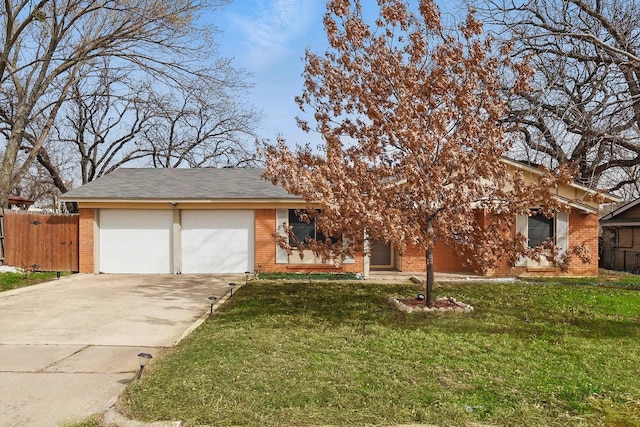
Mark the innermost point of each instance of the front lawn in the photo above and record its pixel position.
(9, 280)
(605, 278)
(334, 353)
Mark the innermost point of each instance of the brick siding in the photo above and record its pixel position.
(445, 260)
(583, 229)
(266, 250)
(265, 243)
(86, 245)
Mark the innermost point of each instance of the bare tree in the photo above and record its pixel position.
(585, 106)
(37, 184)
(48, 46)
(409, 115)
(97, 126)
(112, 120)
(202, 122)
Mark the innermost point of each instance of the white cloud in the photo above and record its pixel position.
(274, 30)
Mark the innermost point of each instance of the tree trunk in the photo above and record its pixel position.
(430, 279)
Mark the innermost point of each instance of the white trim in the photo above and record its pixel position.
(367, 257)
(577, 205)
(96, 241)
(176, 230)
(522, 226)
(282, 217)
(562, 231)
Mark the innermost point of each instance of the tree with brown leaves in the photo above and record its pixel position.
(409, 114)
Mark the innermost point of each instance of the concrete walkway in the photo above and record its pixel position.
(382, 276)
(69, 347)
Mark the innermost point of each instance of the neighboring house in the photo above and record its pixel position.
(621, 238)
(18, 202)
(225, 221)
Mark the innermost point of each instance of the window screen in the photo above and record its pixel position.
(304, 230)
(540, 229)
(300, 228)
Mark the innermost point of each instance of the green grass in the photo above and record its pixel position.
(331, 353)
(94, 421)
(307, 276)
(10, 281)
(624, 280)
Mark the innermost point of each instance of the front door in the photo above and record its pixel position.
(381, 256)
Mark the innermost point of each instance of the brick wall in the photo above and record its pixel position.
(445, 260)
(265, 251)
(583, 228)
(265, 243)
(86, 240)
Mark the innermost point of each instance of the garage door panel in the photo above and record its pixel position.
(217, 241)
(135, 241)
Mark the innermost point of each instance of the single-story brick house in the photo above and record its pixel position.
(224, 221)
(621, 238)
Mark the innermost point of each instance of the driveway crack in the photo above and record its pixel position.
(54, 363)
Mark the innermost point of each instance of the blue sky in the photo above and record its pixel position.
(268, 38)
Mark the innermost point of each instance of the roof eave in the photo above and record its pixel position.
(178, 200)
(613, 223)
(577, 205)
(620, 210)
(607, 196)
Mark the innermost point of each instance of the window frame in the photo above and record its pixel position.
(538, 220)
(561, 238)
(304, 226)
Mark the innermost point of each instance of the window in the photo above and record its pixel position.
(625, 238)
(541, 229)
(538, 229)
(303, 229)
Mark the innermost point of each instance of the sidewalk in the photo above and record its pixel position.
(376, 276)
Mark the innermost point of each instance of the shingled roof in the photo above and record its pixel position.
(179, 184)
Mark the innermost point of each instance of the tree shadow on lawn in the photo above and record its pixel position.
(551, 330)
(549, 310)
(358, 304)
(319, 302)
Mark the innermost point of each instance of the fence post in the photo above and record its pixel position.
(612, 260)
(624, 260)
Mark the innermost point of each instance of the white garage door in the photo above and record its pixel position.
(135, 241)
(217, 241)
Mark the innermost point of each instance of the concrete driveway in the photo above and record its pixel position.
(69, 347)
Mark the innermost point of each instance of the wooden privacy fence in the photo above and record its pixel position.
(43, 242)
